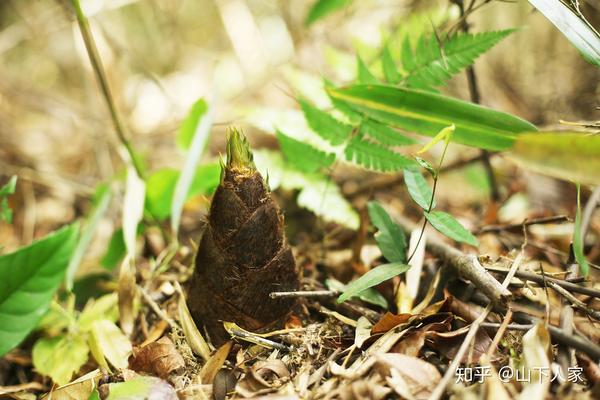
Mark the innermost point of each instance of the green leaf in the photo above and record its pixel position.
(571, 156)
(364, 75)
(30, 277)
(373, 277)
(449, 226)
(427, 113)
(60, 357)
(115, 251)
(182, 187)
(579, 31)
(86, 237)
(142, 387)
(370, 295)
(303, 156)
(190, 124)
(6, 213)
(329, 128)
(389, 67)
(160, 187)
(9, 187)
(578, 239)
(432, 66)
(390, 237)
(384, 134)
(418, 189)
(372, 156)
(322, 8)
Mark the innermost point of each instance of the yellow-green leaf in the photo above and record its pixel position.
(571, 156)
(427, 113)
(60, 357)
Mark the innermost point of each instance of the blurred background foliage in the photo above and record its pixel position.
(252, 57)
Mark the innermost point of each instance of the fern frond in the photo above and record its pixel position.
(384, 134)
(375, 157)
(432, 66)
(302, 155)
(362, 72)
(329, 128)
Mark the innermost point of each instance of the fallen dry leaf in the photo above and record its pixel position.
(214, 363)
(420, 376)
(389, 321)
(160, 358)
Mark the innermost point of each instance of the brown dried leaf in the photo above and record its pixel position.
(420, 376)
(214, 363)
(389, 321)
(160, 358)
(363, 389)
(223, 384)
(536, 350)
(448, 343)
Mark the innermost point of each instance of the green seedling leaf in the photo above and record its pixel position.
(30, 276)
(390, 237)
(303, 156)
(570, 156)
(449, 226)
(418, 189)
(575, 28)
(322, 8)
(329, 128)
(427, 113)
(427, 166)
(160, 187)
(190, 124)
(6, 213)
(86, 237)
(374, 277)
(445, 135)
(10, 186)
(389, 67)
(578, 239)
(370, 295)
(362, 72)
(182, 188)
(60, 357)
(142, 387)
(105, 307)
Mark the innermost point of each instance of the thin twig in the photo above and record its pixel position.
(530, 276)
(156, 308)
(500, 333)
(575, 301)
(527, 222)
(304, 293)
(96, 62)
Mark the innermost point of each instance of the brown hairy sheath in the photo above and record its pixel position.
(243, 255)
